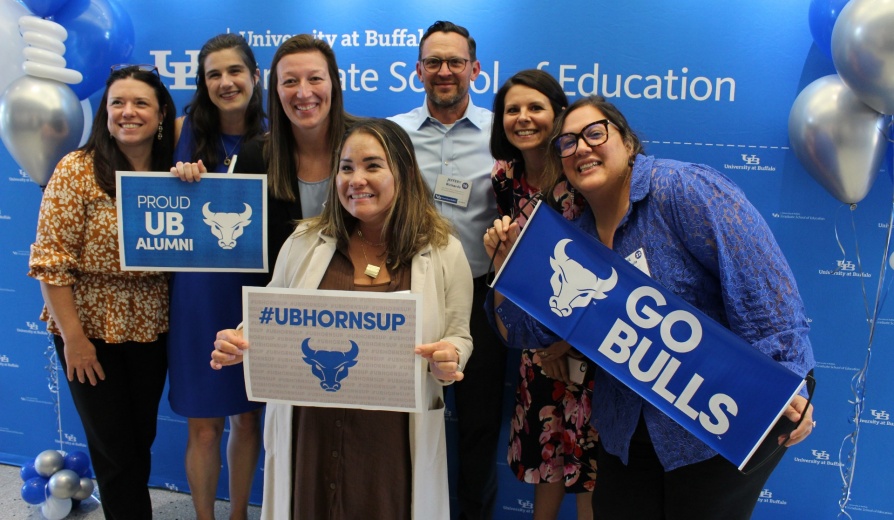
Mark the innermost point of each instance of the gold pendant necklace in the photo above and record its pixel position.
(229, 155)
(371, 270)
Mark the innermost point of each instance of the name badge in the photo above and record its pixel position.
(453, 190)
(638, 259)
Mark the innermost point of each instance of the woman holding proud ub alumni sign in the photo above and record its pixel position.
(378, 232)
(225, 112)
(703, 241)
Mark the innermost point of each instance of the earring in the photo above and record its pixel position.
(159, 131)
(630, 161)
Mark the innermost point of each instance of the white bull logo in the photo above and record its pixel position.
(227, 227)
(573, 285)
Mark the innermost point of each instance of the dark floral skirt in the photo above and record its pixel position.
(550, 436)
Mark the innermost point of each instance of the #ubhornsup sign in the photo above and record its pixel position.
(218, 224)
(335, 349)
(709, 380)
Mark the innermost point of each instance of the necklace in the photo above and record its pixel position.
(228, 156)
(367, 242)
(371, 270)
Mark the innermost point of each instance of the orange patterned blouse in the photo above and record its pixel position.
(77, 245)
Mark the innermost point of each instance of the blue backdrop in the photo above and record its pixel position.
(703, 81)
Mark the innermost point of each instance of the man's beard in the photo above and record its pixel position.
(447, 101)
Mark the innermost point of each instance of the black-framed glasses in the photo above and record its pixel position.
(144, 67)
(455, 65)
(593, 134)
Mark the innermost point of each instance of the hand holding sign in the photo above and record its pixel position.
(228, 348)
(500, 238)
(189, 172)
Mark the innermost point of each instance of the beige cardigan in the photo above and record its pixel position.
(443, 278)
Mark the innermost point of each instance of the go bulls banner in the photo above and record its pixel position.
(218, 224)
(712, 382)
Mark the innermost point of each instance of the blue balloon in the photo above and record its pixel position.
(100, 34)
(28, 472)
(34, 490)
(77, 461)
(44, 8)
(822, 16)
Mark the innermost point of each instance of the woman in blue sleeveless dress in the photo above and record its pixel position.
(225, 113)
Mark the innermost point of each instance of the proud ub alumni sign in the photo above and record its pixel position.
(710, 381)
(218, 224)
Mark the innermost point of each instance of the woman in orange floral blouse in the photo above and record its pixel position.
(109, 326)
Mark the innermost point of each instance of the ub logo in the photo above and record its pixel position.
(526, 504)
(881, 415)
(31, 325)
(820, 454)
(751, 160)
(227, 227)
(330, 366)
(4, 358)
(846, 265)
(71, 438)
(766, 493)
(171, 487)
(183, 70)
(573, 285)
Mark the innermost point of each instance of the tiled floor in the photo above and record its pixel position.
(166, 505)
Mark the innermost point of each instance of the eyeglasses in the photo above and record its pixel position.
(455, 65)
(593, 134)
(144, 67)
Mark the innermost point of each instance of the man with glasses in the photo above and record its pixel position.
(451, 137)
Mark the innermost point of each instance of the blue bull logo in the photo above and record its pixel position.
(330, 366)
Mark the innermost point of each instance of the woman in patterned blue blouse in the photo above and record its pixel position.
(706, 243)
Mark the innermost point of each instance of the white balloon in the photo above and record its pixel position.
(56, 508)
(34, 23)
(42, 70)
(11, 58)
(44, 42)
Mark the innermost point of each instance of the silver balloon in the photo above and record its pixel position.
(41, 120)
(86, 490)
(839, 140)
(863, 51)
(48, 462)
(65, 483)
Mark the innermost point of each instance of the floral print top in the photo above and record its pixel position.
(513, 194)
(77, 246)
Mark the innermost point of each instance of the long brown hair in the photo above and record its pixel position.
(107, 157)
(413, 222)
(280, 147)
(205, 116)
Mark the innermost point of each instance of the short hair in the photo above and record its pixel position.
(205, 116)
(449, 27)
(554, 173)
(280, 147)
(107, 157)
(412, 222)
(541, 81)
